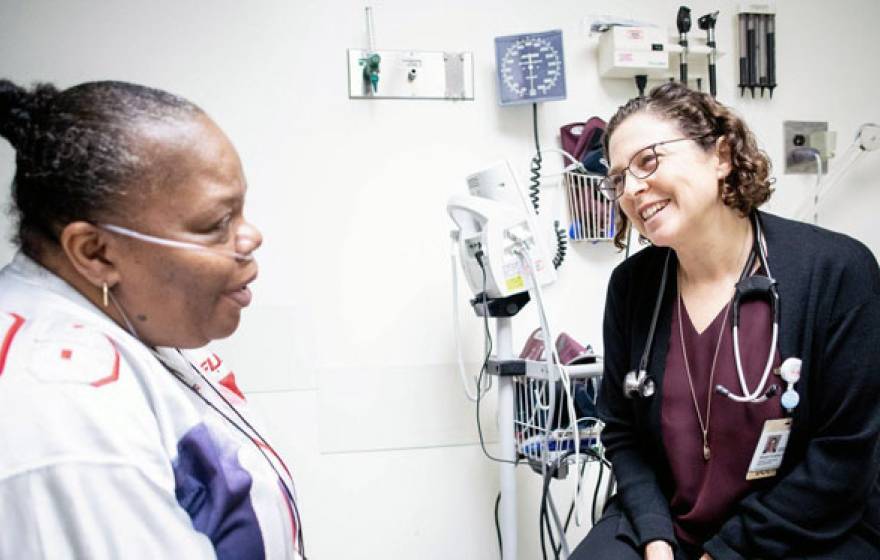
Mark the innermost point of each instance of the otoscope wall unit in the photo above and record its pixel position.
(644, 52)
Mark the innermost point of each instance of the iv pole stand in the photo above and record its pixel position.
(504, 338)
(502, 309)
(505, 365)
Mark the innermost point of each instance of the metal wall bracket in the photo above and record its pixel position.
(413, 75)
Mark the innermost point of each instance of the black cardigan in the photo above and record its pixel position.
(827, 486)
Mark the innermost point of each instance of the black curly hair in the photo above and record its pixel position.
(701, 115)
(79, 151)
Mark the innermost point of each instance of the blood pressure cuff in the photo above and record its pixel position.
(581, 138)
(571, 353)
(594, 162)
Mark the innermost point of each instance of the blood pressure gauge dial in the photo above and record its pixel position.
(530, 67)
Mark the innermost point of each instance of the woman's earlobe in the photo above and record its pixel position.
(84, 246)
(722, 152)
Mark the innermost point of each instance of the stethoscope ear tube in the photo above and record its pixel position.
(751, 288)
(747, 288)
(643, 362)
(638, 382)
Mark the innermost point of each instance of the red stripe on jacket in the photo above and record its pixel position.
(17, 322)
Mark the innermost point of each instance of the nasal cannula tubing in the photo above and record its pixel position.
(174, 243)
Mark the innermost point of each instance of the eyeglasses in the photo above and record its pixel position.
(641, 166)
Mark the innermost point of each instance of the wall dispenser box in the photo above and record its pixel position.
(627, 51)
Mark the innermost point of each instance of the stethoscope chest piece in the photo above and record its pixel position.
(638, 384)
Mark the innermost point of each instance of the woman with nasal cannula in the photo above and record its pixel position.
(742, 355)
(120, 436)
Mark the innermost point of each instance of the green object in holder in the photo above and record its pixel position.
(371, 70)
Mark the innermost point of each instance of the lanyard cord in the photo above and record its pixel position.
(287, 491)
(179, 376)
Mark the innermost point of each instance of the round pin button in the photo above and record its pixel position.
(790, 371)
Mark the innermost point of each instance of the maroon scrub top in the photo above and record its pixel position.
(706, 492)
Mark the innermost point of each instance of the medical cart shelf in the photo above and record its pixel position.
(527, 390)
(538, 369)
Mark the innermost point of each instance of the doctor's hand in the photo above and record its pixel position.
(658, 550)
(705, 556)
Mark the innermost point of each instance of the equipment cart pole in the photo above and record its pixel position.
(504, 338)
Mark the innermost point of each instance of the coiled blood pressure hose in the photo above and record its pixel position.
(534, 189)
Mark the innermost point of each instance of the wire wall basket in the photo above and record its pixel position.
(542, 439)
(590, 214)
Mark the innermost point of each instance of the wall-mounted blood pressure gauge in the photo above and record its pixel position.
(530, 67)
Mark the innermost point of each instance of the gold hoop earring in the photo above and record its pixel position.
(106, 298)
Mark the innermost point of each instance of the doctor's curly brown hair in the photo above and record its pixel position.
(698, 114)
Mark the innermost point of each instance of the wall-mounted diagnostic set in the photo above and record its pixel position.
(643, 51)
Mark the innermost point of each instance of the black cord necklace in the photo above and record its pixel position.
(253, 438)
(180, 377)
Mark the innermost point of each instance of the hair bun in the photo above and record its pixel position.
(19, 107)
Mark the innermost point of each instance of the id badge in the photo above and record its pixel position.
(770, 449)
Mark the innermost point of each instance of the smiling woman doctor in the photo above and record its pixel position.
(696, 328)
(115, 442)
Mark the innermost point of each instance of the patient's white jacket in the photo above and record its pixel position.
(105, 453)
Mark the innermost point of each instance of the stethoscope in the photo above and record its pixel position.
(638, 383)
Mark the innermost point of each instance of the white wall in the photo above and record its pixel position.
(348, 348)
